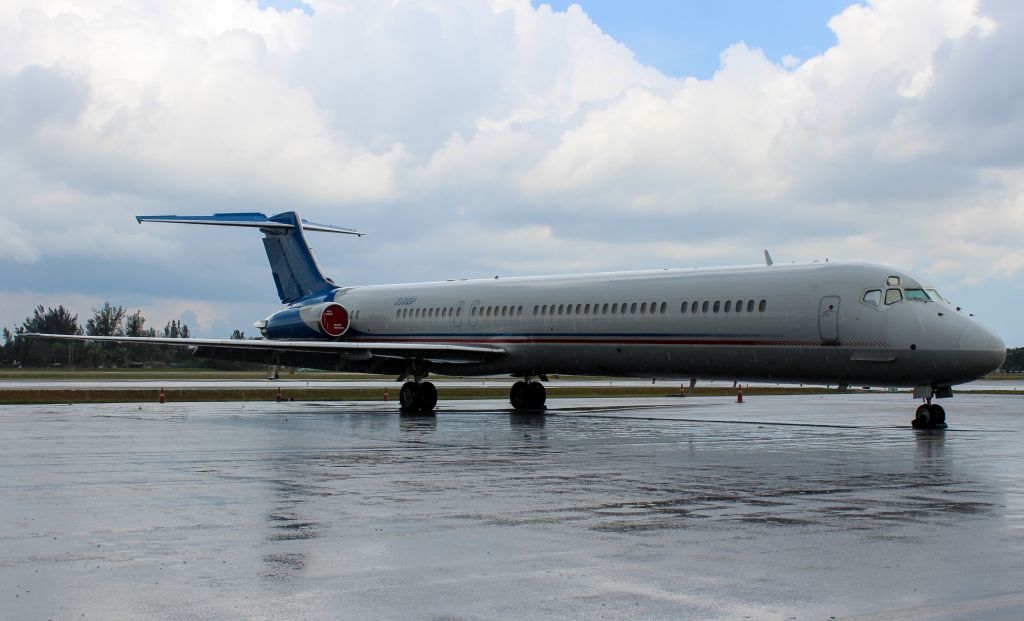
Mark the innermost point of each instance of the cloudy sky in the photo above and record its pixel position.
(473, 138)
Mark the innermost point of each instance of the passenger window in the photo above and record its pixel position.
(586, 309)
(643, 307)
(739, 305)
(561, 308)
(536, 309)
(704, 307)
(892, 296)
(683, 306)
(750, 306)
(717, 306)
(458, 312)
(615, 308)
(604, 309)
(519, 310)
(763, 304)
(873, 297)
(728, 306)
(632, 308)
(664, 307)
(579, 307)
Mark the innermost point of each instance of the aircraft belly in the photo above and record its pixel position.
(812, 365)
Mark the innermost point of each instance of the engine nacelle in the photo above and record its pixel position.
(318, 321)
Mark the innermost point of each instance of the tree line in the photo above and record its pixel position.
(107, 320)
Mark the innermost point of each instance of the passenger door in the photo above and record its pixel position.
(828, 319)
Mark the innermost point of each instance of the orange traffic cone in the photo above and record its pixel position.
(739, 394)
(682, 391)
(279, 395)
(386, 396)
(163, 397)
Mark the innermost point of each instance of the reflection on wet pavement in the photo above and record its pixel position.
(805, 507)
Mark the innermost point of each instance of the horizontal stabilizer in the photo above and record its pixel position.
(255, 220)
(296, 272)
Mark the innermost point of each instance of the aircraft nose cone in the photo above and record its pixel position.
(980, 351)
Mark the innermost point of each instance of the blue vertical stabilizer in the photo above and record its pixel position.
(296, 272)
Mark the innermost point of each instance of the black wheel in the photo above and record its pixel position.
(535, 395)
(922, 417)
(407, 397)
(426, 397)
(938, 416)
(517, 396)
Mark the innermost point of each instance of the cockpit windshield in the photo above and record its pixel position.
(924, 295)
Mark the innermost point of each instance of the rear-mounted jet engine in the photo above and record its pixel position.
(319, 321)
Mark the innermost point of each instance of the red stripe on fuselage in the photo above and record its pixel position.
(599, 341)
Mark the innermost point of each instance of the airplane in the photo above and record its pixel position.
(831, 323)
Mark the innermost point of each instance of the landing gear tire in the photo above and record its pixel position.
(417, 398)
(527, 395)
(426, 398)
(929, 416)
(517, 395)
(922, 417)
(407, 397)
(536, 395)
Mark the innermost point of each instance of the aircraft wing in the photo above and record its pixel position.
(363, 350)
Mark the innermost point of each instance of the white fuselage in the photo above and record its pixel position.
(813, 323)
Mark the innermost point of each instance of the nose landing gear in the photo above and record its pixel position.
(929, 416)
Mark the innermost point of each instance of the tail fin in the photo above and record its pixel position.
(296, 272)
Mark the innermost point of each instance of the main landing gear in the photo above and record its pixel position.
(929, 416)
(527, 395)
(417, 397)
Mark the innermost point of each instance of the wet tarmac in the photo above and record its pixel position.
(802, 507)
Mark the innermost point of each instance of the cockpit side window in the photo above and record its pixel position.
(917, 294)
(893, 295)
(873, 297)
(934, 295)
